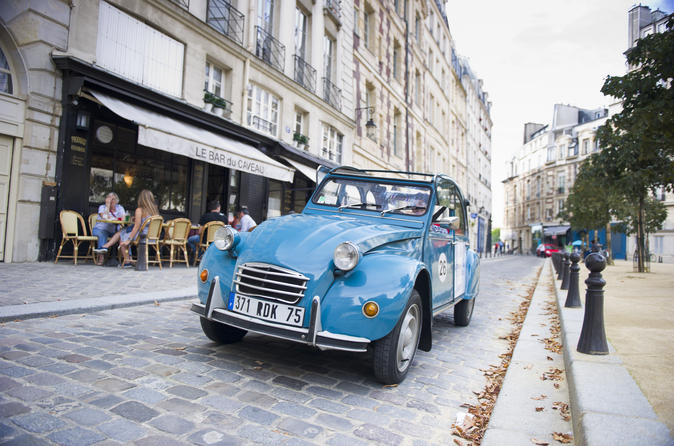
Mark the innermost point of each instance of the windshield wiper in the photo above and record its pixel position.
(402, 208)
(350, 205)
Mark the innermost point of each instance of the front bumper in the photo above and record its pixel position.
(313, 335)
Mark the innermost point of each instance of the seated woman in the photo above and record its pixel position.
(146, 208)
(111, 210)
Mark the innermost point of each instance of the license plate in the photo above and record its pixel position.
(268, 311)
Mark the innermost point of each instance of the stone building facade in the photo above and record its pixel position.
(430, 111)
(541, 174)
(210, 99)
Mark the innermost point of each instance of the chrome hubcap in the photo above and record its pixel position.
(408, 337)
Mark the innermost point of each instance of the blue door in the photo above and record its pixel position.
(439, 252)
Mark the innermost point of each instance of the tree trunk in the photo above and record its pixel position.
(641, 252)
(609, 259)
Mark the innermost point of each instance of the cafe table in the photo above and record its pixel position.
(115, 222)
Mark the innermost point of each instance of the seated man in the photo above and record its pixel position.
(111, 210)
(213, 214)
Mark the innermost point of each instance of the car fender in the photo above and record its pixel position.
(218, 263)
(384, 278)
(472, 275)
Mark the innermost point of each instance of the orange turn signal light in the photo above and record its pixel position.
(203, 275)
(370, 309)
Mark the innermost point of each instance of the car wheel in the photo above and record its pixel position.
(463, 312)
(221, 333)
(394, 353)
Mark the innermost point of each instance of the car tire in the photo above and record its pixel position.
(463, 312)
(221, 333)
(394, 353)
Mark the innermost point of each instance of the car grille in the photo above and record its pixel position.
(271, 282)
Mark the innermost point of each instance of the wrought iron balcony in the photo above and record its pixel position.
(334, 9)
(305, 74)
(225, 19)
(331, 94)
(263, 125)
(269, 49)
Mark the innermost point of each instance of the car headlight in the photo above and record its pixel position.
(225, 238)
(346, 256)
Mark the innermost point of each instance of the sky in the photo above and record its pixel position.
(533, 54)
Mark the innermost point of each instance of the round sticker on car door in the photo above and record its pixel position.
(442, 267)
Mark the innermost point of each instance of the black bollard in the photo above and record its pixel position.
(592, 339)
(560, 262)
(573, 297)
(565, 272)
(555, 262)
(141, 263)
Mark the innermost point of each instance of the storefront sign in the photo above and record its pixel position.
(227, 160)
(78, 150)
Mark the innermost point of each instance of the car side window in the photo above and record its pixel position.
(448, 204)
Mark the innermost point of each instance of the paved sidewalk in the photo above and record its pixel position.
(607, 405)
(46, 289)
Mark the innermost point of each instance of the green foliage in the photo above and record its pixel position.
(627, 213)
(590, 200)
(496, 234)
(300, 138)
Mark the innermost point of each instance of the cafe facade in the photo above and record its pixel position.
(122, 128)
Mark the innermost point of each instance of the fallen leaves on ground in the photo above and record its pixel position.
(539, 442)
(495, 375)
(562, 438)
(539, 409)
(563, 409)
(553, 374)
(538, 398)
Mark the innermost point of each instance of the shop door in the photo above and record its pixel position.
(6, 144)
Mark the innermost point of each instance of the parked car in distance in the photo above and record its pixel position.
(371, 259)
(546, 249)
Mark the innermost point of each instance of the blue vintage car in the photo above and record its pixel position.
(367, 264)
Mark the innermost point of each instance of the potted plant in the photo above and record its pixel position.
(209, 100)
(301, 140)
(220, 107)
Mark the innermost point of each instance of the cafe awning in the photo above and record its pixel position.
(555, 230)
(303, 168)
(161, 132)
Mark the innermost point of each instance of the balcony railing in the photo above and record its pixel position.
(269, 49)
(264, 125)
(334, 10)
(331, 94)
(226, 19)
(305, 74)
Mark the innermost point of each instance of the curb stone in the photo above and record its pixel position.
(607, 406)
(92, 304)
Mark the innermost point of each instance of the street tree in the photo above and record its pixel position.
(638, 143)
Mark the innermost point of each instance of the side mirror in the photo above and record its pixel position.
(454, 223)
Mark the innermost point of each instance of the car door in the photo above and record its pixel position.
(460, 240)
(439, 252)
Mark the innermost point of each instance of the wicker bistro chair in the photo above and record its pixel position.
(207, 237)
(153, 238)
(92, 222)
(70, 228)
(175, 237)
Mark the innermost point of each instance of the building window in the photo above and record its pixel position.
(138, 52)
(417, 28)
(397, 137)
(299, 122)
(368, 26)
(300, 33)
(328, 57)
(586, 145)
(573, 149)
(396, 59)
(265, 15)
(561, 180)
(263, 110)
(331, 143)
(417, 88)
(595, 147)
(562, 151)
(215, 80)
(560, 205)
(5, 75)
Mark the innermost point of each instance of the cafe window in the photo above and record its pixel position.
(130, 168)
(263, 110)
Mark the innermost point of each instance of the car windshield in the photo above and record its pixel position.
(376, 196)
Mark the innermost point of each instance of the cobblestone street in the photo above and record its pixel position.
(147, 375)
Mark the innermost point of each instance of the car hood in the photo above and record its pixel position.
(305, 243)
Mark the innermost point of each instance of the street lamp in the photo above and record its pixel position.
(370, 126)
